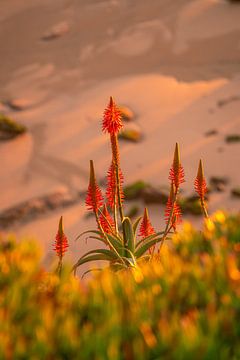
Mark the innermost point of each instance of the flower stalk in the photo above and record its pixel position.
(60, 245)
(201, 188)
(112, 123)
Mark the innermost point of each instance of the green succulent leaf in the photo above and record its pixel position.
(135, 225)
(142, 249)
(150, 237)
(128, 234)
(115, 243)
(88, 232)
(89, 271)
(106, 252)
(95, 257)
(131, 259)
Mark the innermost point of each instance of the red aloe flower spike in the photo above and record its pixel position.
(200, 186)
(176, 174)
(111, 192)
(94, 199)
(173, 210)
(146, 228)
(61, 241)
(112, 121)
(106, 221)
(200, 182)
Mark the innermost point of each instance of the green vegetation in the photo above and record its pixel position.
(232, 138)
(134, 190)
(185, 305)
(10, 128)
(132, 135)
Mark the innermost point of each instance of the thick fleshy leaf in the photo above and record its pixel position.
(135, 225)
(90, 270)
(98, 238)
(150, 237)
(106, 252)
(131, 258)
(118, 266)
(95, 257)
(115, 243)
(128, 234)
(142, 249)
(88, 232)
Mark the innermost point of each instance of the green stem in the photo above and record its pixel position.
(106, 238)
(110, 226)
(115, 216)
(169, 223)
(204, 209)
(59, 267)
(119, 192)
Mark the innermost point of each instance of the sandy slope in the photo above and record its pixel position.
(170, 62)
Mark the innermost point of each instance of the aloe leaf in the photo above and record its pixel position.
(141, 250)
(87, 259)
(98, 238)
(88, 271)
(128, 234)
(146, 257)
(116, 244)
(131, 256)
(88, 232)
(117, 266)
(101, 251)
(135, 225)
(130, 262)
(150, 237)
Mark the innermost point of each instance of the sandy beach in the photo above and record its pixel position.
(176, 65)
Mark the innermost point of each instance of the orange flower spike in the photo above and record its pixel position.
(201, 187)
(94, 199)
(176, 211)
(176, 174)
(146, 228)
(200, 182)
(61, 241)
(112, 123)
(112, 120)
(106, 221)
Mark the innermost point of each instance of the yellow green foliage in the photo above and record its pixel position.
(185, 305)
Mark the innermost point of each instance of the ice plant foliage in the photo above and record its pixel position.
(112, 120)
(176, 174)
(94, 199)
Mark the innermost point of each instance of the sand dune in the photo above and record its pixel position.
(171, 63)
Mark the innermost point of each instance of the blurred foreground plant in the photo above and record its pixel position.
(185, 307)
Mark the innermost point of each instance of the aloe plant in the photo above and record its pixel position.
(123, 245)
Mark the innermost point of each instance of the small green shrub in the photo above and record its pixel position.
(10, 128)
